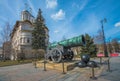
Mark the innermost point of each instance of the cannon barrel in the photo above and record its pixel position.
(75, 41)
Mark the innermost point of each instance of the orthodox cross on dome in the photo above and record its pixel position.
(26, 6)
(30, 10)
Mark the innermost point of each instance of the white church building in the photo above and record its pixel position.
(21, 36)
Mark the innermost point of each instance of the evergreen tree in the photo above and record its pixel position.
(89, 47)
(38, 33)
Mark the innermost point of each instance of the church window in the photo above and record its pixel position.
(20, 40)
(28, 40)
(24, 40)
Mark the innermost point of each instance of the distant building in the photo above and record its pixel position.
(21, 36)
(7, 50)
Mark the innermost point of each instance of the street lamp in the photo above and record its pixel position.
(104, 42)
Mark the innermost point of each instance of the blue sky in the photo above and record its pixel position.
(67, 18)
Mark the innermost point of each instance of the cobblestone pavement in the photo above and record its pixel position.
(27, 72)
(114, 74)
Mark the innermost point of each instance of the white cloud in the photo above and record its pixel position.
(56, 31)
(117, 24)
(60, 15)
(66, 29)
(74, 14)
(51, 3)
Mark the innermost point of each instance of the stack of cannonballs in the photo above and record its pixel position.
(85, 62)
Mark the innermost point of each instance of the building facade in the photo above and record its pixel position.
(6, 50)
(1, 53)
(21, 36)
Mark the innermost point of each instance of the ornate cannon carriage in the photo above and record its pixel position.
(62, 50)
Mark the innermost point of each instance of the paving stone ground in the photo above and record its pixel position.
(27, 72)
(114, 74)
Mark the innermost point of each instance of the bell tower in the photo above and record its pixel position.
(26, 15)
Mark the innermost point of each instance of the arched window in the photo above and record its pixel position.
(28, 40)
(24, 40)
(20, 40)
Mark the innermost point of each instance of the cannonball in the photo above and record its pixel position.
(92, 64)
(82, 64)
(85, 58)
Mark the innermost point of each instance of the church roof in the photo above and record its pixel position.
(28, 12)
(18, 22)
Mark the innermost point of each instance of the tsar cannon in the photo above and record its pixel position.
(62, 50)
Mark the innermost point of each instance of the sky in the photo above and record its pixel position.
(67, 18)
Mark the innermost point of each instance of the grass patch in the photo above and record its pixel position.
(10, 63)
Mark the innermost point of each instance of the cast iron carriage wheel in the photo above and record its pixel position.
(70, 56)
(56, 55)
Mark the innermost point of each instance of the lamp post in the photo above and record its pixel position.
(93, 74)
(108, 63)
(104, 42)
(110, 51)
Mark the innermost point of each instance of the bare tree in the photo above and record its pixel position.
(110, 49)
(115, 44)
(4, 40)
(98, 39)
(5, 33)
